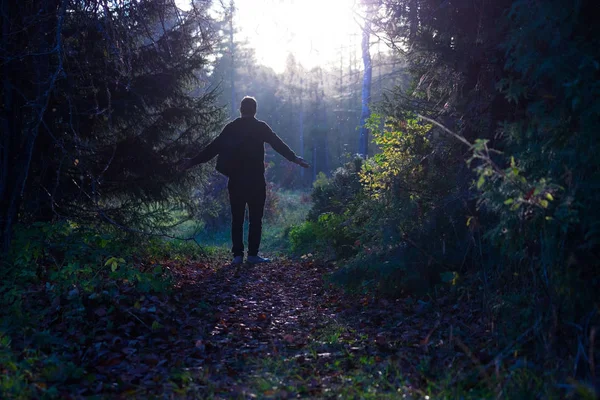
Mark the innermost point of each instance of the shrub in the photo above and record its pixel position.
(400, 214)
(330, 236)
(335, 194)
(67, 255)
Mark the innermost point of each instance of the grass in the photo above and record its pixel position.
(291, 209)
(315, 372)
(343, 374)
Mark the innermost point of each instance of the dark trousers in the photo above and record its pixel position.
(253, 193)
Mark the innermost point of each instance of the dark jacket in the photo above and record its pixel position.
(245, 138)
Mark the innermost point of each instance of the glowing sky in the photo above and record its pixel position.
(315, 31)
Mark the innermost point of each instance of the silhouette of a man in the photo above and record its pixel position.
(241, 151)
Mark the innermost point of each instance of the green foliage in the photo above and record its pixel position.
(518, 207)
(66, 255)
(330, 235)
(333, 195)
(331, 230)
(292, 209)
(403, 149)
(64, 277)
(542, 189)
(176, 250)
(120, 99)
(525, 198)
(396, 212)
(390, 273)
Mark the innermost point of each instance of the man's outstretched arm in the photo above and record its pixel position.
(282, 148)
(207, 154)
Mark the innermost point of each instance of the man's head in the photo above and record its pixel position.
(248, 107)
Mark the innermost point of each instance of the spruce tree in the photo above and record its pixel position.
(101, 100)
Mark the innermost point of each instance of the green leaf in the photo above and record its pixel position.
(480, 181)
(508, 201)
(549, 197)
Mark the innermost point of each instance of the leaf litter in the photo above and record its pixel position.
(277, 330)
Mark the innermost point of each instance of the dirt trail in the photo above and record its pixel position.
(276, 330)
(256, 313)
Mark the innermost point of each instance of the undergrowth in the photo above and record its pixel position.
(61, 286)
(399, 232)
(285, 210)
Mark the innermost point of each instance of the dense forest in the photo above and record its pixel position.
(443, 243)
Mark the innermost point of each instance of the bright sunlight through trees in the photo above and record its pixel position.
(314, 31)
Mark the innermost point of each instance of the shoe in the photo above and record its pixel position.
(237, 260)
(257, 260)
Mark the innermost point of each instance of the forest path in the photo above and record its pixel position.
(257, 313)
(279, 330)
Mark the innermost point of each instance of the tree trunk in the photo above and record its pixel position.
(231, 51)
(314, 161)
(363, 144)
(5, 140)
(301, 122)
